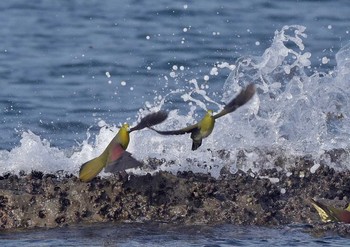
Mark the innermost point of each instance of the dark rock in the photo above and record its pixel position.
(269, 198)
(36, 175)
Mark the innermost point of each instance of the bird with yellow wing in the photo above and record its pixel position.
(203, 129)
(331, 214)
(114, 158)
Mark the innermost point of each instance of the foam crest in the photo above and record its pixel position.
(33, 153)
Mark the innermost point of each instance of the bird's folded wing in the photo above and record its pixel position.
(115, 152)
(188, 129)
(150, 120)
(124, 162)
(242, 98)
(324, 212)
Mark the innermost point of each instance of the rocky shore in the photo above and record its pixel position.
(271, 198)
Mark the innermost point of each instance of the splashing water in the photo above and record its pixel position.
(299, 113)
(295, 112)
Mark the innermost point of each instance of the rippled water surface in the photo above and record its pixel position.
(165, 235)
(66, 65)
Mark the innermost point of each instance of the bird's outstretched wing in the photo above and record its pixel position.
(188, 129)
(243, 97)
(124, 162)
(150, 120)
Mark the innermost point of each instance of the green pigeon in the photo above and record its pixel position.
(203, 128)
(114, 158)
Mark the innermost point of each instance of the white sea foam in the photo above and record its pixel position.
(295, 112)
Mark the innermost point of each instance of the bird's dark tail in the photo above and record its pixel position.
(126, 161)
(196, 144)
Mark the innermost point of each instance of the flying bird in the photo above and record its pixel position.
(331, 214)
(114, 158)
(203, 129)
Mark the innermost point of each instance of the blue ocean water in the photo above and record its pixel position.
(168, 235)
(72, 71)
(54, 56)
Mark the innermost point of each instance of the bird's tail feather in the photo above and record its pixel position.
(90, 169)
(196, 144)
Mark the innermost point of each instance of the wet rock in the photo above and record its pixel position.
(272, 197)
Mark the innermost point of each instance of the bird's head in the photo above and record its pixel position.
(210, 113)
(126, 127)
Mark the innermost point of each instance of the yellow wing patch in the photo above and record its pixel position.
(327, 213)
(321, 212)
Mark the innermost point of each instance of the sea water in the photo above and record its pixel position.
(159, 234)
(72, 72)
